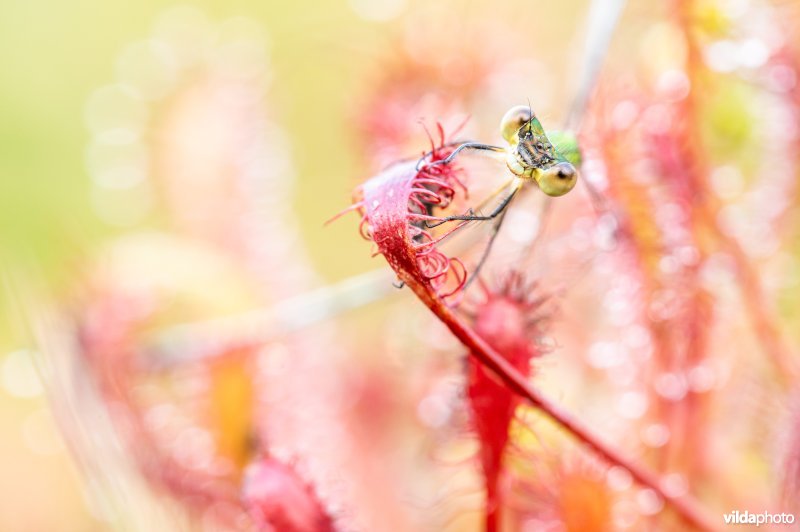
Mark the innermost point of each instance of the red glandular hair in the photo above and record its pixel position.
(397, 204)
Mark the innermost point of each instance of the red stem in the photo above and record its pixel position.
(686, 506)
(492, 509)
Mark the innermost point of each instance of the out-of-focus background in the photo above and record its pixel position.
(162, 164)
(320, 57)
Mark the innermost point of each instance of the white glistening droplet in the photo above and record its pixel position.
(649, 502)
(675, 485)
(655, 435)
(674, 85)
(624, 114)
(433, 411)
(722, 55)
(702, 378)
(619, 478)
(632, 405)
(753, 53)
(671, 386)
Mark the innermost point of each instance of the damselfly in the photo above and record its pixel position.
(530, 157)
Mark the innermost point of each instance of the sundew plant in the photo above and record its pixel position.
(566, 268)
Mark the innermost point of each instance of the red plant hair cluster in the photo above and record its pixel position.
(400, 201)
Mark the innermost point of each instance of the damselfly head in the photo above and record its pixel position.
(533, 155)
(523, 131)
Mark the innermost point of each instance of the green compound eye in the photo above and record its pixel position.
(558, 179)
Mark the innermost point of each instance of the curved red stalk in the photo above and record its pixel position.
(389, 214)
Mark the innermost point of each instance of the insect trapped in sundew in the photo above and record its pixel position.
(530, 156)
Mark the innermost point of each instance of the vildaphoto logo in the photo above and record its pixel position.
(764, 518)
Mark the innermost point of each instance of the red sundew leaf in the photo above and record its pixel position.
(504, 319)
(278, 499)
(395, 206)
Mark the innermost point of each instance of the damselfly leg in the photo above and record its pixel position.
(472, 217)
(477, 146)
(501, 215)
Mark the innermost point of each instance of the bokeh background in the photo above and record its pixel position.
(322, 95)
(320, 55)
